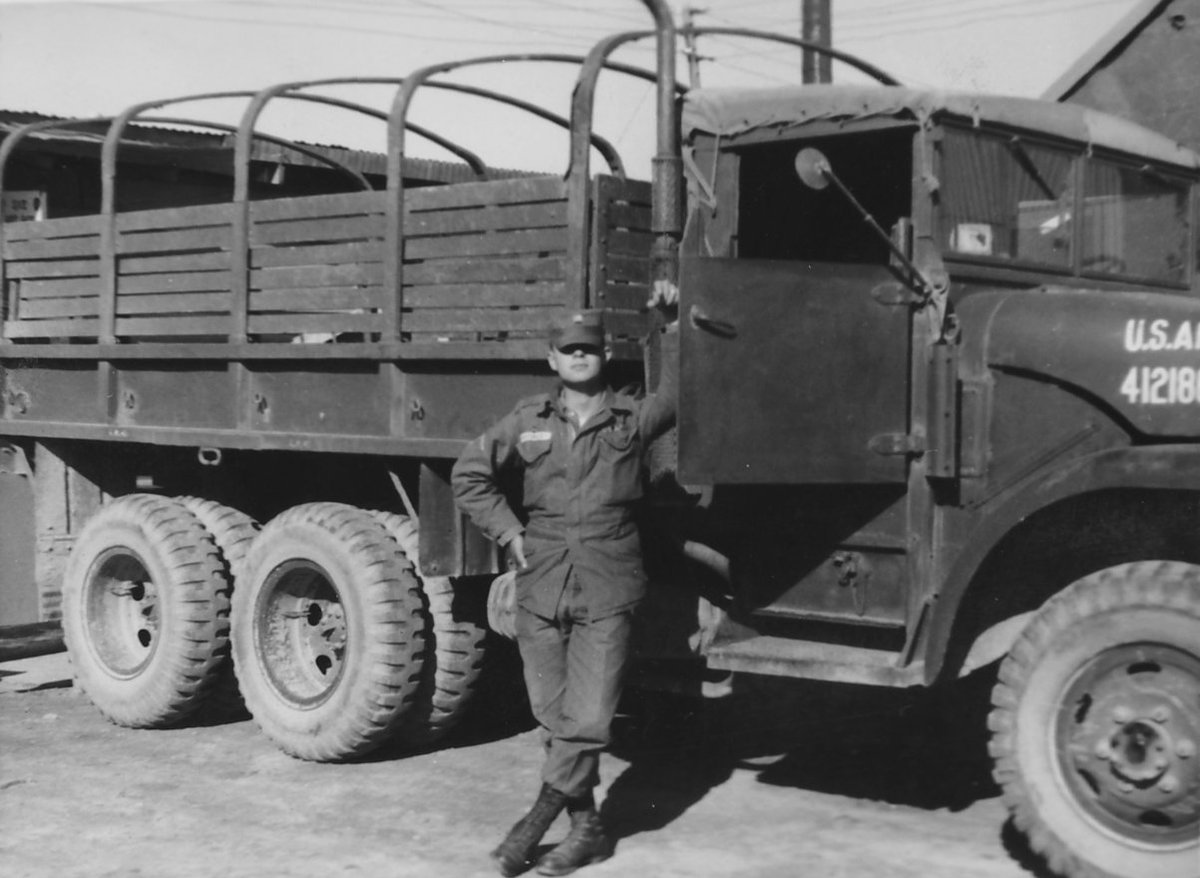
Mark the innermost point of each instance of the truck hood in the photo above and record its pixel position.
(1137, 352)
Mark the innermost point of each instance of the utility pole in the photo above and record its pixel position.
(816, 26)
(689, 41)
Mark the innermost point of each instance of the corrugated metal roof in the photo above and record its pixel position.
(735, 111)
(144, 136)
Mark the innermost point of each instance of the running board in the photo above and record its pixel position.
(810, 660)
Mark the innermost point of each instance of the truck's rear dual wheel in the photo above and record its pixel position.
(328, 633)
(145, 611)
(1096, 725)
(454, 647)
(232, 531)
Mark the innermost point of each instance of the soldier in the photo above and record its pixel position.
(579, 566)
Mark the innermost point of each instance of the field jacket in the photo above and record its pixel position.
(579, 493)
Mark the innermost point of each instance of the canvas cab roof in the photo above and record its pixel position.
(733, 112)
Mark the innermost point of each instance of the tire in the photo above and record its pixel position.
(328, 634)
(454, 647)
(1096, 722)
(145, 611)
(232, 532)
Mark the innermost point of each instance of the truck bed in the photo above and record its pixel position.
(235, 324)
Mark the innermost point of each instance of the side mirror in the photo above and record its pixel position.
(813, 168)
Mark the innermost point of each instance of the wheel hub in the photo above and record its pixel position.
(122, 611)
(301, 632)
(1128, 733)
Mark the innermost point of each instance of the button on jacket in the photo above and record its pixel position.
(580, 492)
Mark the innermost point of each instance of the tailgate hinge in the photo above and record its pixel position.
(889, 444)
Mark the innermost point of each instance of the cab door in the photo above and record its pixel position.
(792, 373)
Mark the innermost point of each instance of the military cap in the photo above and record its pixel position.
(578, 327)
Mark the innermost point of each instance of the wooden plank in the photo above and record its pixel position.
(173, 218)
(171, 304)
(85, 326)
(627, 216)
(319, 299)
(499, 270)
(67, 286)
(324, 229)
(309, 206)
(629, 242)
(485, 295)
(133, 327)
(52, 248)
(273, 324)
(207, 238)
(54, 268)
(195, 281)
(632, 269)
(346, 274)
(213, 261)
(626, 297)
(60, 227)
(489, 244)
(486, 219)
(317, 254)
(478, 320)
(521, 190)
(42, 309)
(627, 324)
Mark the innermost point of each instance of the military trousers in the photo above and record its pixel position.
(574, 670)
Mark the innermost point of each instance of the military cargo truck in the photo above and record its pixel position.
(939, 410)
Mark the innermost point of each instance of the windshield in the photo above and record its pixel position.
(1005, 199)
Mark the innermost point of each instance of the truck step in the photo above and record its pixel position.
(811, 660)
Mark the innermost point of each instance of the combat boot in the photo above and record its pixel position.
(585, 844)
(515, 853)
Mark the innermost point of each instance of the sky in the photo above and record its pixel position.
(59, 57)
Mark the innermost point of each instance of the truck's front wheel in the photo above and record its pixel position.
(327, 632)
(1096, 724)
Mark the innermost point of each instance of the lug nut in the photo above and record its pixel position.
(1185, 749)
(1168, 784)
(1103, 749)
(1122, 714)
(1160, 715)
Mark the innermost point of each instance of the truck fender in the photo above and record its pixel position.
(1159, 467)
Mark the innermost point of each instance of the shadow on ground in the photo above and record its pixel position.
(925, 749)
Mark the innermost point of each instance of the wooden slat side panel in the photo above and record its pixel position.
(171, 305)
(54, 268)
(321, 299)
(310, 206)
(195, 281)
(515, 269)
(499, 295)
(621, 255)
(521, 190)
(176, 324)
(43, 309)
(317, 254)
(544, 241)
(537, 320)
(347, 274)
(318, 230)
(494, 218)
(285, 324)
(61, 227)
(163, 219)
(84, 327)
(58, 287)
(52, 248)
(213, 261)
(204, 238)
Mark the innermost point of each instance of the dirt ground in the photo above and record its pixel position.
(779, 779)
